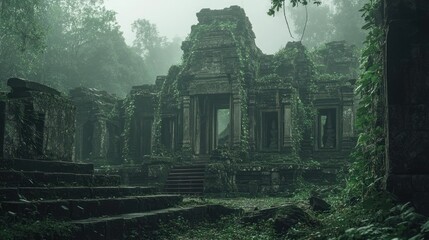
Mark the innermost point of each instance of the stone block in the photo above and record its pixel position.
(57, 209)
(20, 85)
(84, 208)
(420, 183)
(420, 202)
(408, 152)
(115, 228)
(400, 185)
(9, 194)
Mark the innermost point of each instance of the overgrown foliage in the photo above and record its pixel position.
(67, 43)
(368, 168)
(28, 229)
(157, 51)
(245, 65)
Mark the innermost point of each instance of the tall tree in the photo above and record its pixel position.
(333, 20)
(82, 46)
(22, 36)
(159, 53)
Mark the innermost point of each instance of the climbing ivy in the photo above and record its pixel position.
(368, 167)
(244, 65)
(168, 97)
(129, 111)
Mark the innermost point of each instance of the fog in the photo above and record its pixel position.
(174, 18)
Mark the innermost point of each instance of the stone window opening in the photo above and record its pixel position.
(222, 127)
(87, 137)
(270, 131)
(145, 137)
(39, 124)
(168, 129)
(327, 128)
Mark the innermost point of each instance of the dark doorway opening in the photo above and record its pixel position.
(146, 137)
(223, 127)
(40, 129)
(327, 128)
(270, 131)
(167, 132)
(87, 137)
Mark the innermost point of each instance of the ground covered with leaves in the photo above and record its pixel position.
(377, 217)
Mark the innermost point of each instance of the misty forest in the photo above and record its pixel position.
(198, 119)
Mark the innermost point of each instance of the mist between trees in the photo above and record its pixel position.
(69, 43)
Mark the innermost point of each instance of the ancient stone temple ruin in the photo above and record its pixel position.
(97, 130)
(36, 122)
(228, 94)
(271, 115)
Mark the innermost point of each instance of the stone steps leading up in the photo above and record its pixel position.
(49, 193)
(46, 166)
(186, 179)
(141, 225)
(75, 209)
(14, 178)
(95, 203)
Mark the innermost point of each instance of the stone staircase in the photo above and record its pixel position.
(96, 204)
(187, 179)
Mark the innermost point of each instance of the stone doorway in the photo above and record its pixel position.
(212, 123)
(327, 128)
(87, 136)
(270, 137)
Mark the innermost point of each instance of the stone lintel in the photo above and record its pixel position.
(19, 86)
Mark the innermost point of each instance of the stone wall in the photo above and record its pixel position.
(407, 89)
(38, 123)
(98, 127)
(264, 178)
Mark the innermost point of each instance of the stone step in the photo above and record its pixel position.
(76, 209)
(12, 178)
(190, 166)
(185, 179)
(45, 193)
(142, 225)
(184, 173)
(184, 190)
(188, 170)
(46, 166)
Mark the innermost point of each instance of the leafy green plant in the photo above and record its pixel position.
(368, 168)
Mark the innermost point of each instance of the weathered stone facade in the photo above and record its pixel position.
(98, 128)
(407, 90)
(36, 122)
(227, 93)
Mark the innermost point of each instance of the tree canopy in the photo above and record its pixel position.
(71, 43)
(321, 22)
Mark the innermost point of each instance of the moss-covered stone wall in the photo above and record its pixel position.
(39, 123)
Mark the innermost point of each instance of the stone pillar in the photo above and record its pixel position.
(407, 89)
(236, 118)
(252, 123)
(348, 130)
(186, 142)
(287, 139)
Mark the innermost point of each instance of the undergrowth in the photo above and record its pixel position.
(31, 230)
(376, 217)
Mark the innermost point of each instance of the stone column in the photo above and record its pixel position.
(287, 139)
(407, 89)
(186, 142)
(348, 130)
(252, 123)
(236, 118)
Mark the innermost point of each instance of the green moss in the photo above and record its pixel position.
(129, 107)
